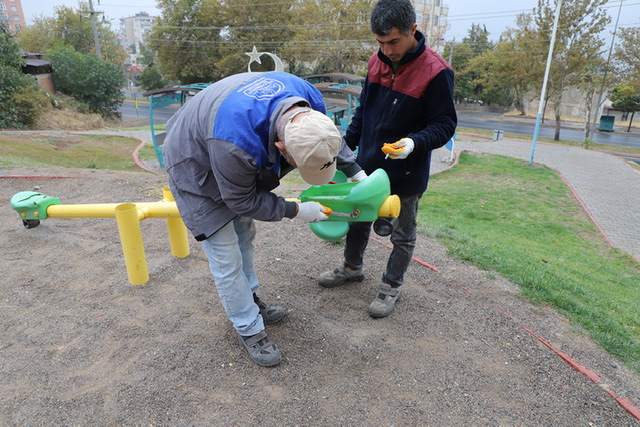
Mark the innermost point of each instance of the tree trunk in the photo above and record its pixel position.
(520, 101)
(587, 114)
(523, 112)
(556, 136)
(630, 121)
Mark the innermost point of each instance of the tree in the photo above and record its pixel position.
(626, 98)
(508, 71)
(251, 23)
(459, 55)
(627, 57)
(147, 56)
(205, 40)
(188, 40)
(521, 47)
(589, 79)
(577, 43)
(150, 79)
(331, 35)
(93, 81)
(467, 82)
(73, 28)
(21, 102)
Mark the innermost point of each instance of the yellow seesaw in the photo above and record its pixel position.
(32, 207)
(366, 200)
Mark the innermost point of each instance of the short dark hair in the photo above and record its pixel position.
(390, 14)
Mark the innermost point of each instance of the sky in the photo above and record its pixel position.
(496, 15)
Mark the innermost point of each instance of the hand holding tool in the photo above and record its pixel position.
(399, 149)
(312, 212)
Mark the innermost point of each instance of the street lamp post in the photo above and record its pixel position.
(544, 83)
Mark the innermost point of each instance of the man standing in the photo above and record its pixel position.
(406, 110)
(225, 150)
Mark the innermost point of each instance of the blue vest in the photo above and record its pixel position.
(244, 116)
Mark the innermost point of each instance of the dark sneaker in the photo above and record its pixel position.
(261, 349)
(337, 277)
(385, 302)
(270, 313)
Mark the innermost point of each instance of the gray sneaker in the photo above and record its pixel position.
(385, 302)
(270, 313)
(337, 277)
(261, 349)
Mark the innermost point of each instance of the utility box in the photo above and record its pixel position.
(606, 123)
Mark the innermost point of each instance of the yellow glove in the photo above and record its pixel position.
(399, 149)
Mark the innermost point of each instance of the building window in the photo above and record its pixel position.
(3, 6)
(14, 9)
(435, 20)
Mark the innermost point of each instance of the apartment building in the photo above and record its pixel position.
(135, 29)
(432, 18)
(12, 15)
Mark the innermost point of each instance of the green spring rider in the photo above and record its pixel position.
(363, 201)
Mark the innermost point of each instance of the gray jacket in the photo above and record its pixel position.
(220, 150)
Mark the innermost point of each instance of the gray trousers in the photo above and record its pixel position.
(403, 240)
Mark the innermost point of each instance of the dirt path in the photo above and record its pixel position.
(81, 346)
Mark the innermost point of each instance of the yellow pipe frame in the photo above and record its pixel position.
(128, 217)
(132, 244)
(178, 235)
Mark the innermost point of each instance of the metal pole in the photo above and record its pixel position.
(544, 83)
(94, 28)
(604, 77)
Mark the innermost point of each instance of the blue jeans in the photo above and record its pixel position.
(403, 240)
(230, 254)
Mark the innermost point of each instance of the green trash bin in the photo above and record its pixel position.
(606, 123)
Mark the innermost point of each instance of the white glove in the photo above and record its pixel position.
(399, 149)
(360, 176)
(312, 212)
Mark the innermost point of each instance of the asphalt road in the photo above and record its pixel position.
(495, 121)
(466, 119)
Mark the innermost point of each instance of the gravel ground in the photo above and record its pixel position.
(81, 346)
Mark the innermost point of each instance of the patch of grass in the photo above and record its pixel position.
(523, 223)
(293, 183)
(72, 151)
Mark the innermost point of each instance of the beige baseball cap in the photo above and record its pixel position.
(313, 141)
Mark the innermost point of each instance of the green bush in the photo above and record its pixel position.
(11, 81)
(10, 55)
(151, 79)
(94, 82)
(30, 102)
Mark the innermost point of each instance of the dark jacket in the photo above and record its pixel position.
(416, 101)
